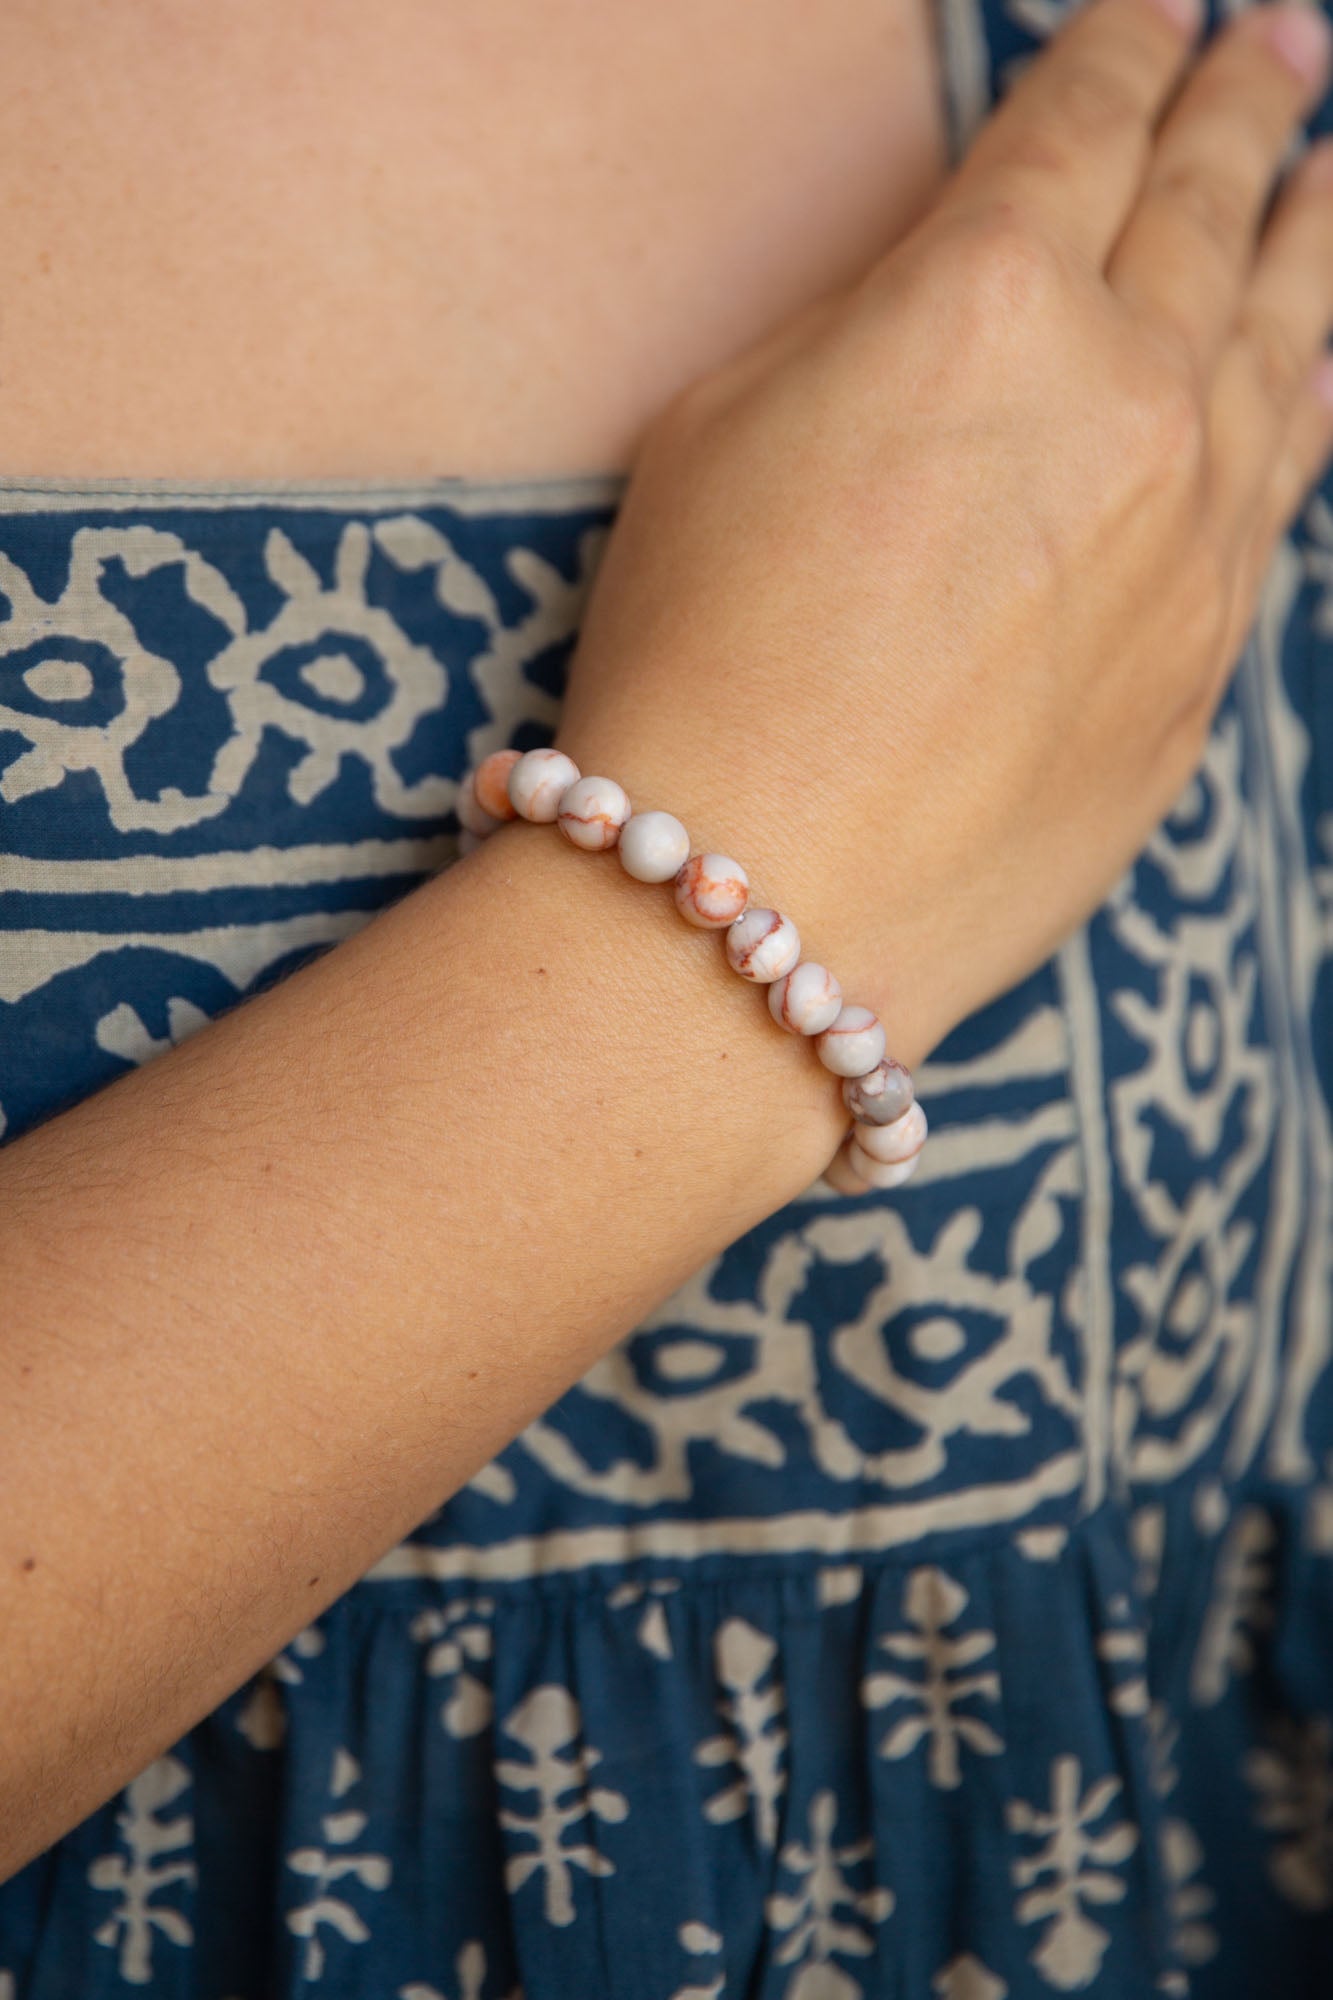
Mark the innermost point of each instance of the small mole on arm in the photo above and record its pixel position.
(29, 1562)
(313, 1581)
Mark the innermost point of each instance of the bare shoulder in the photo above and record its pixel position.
(287, 239)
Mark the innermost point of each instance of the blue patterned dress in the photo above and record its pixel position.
(934, 1598)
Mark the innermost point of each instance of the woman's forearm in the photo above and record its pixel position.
(270, 1299)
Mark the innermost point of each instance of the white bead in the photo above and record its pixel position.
(539, 781)
(592, 813)
(711, 890)
(841, 1175)
(881, 1173)
(807, 1000)
(653, 846)
(763, 945)
(854, 1044)
(899, 1141)
(470, 813)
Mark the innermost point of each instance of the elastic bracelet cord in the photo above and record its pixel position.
(883, 1145)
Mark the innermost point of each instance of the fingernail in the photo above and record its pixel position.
(1300, 35)
(1184, 14)
(1323, 380)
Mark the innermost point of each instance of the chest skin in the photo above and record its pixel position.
(335, 240)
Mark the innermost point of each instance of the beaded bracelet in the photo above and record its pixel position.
(883, 1146)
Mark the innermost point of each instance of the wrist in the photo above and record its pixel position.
(798, 860)
(688, 1063)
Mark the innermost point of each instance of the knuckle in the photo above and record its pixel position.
(1166, 420)
(1087, 107)
(1096, 103)
(1277, 361)
(1215, 206)
(1006, 266)
(1235, 98)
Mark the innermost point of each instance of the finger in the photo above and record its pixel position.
(1186, 249)
(1281, 325)
(1070, 143)
(1302, 457)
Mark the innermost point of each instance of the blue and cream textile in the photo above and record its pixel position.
(934, 1599)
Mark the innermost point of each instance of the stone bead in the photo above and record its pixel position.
(492, 783)
(711, 891)
(592, 813)
(881, 1096)
(854, 1044)
(471, 814)
(881, 1173)
(468, 843)
(841, 1175)
(807, 1000)
(538, 782)
(763, 945)
(653, 847)
(899, 1141)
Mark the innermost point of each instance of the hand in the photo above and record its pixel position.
(923, 607)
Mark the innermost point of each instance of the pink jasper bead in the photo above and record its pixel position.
(492, 783)
(471, 814)
(538, 782)
(592, 813)
(653, 847)
(711, 891)
(881, 1173)
(854, 1044)
(807, 1001)
(899, 1141)
(763, 945)
(881, 1096)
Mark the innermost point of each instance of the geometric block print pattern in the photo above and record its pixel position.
(927, 1599)
(221, 753)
